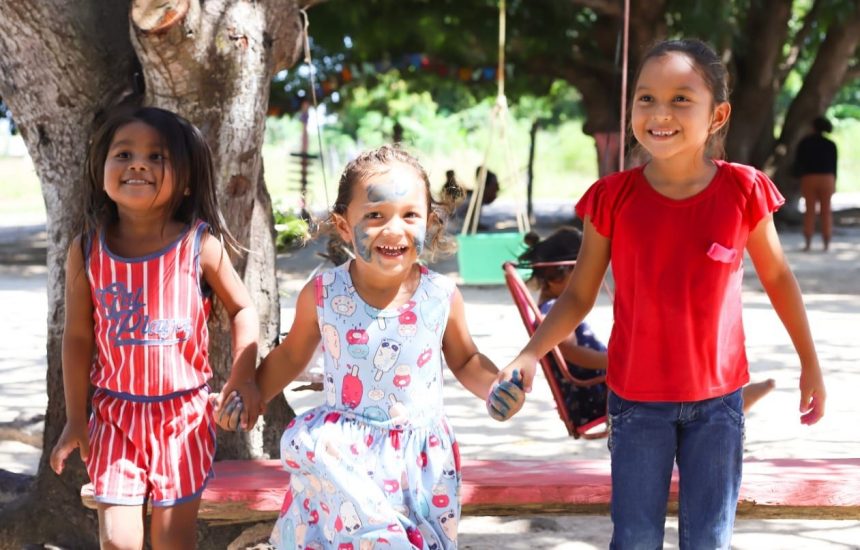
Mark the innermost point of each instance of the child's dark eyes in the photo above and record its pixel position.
(412, 215)
(645, 98)
(156, 157)
(680, 99)
(373, 215)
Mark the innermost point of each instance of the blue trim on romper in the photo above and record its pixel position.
(148, 257)
(195, 251)
(150, 398)
(195, 495)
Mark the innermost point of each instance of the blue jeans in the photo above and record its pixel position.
(645, 440)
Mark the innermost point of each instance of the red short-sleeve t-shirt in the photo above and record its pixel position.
(678, 268)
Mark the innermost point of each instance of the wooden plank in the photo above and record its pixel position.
(784, 488)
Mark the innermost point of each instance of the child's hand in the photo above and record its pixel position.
(506, 398)
(812, 396)
(228, 415)
(251, 401)
(74, 436)
(526, 369)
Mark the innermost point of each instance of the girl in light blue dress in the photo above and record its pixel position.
(377, 465)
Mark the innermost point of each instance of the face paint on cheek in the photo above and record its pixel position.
(419, 236)
(362, 241)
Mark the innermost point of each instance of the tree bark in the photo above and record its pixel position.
(600, 85)
(820, 86)
(63, 63)
(756, 62)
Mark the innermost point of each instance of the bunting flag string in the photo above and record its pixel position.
(331, 80)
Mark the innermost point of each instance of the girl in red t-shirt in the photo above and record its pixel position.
(675, 230)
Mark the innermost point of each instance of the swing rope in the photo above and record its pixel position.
(311, 71)
(499, 115)
(309, 62)
(623, 124)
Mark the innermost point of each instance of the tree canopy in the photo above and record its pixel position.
(789, 59)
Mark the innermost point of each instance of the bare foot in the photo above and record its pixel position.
(755, 391)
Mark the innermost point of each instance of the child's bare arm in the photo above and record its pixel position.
(582, 356)
(78, 348)
(245, 327)
(473, 369)
(784, 293)
(571, 307)
(287, 361)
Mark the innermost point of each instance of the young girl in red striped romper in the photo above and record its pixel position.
(139, 279)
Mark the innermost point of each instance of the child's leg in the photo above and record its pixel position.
(826, 190)
(710, 459)
(754, 391)
(807, 190)
(642, 443)
(120, 527)
(175, 526)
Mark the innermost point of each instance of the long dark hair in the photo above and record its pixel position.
(194, 191)
(378, 161)
(713, 72)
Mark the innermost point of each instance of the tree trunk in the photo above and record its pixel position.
(756, 63)
(64, 62)
(601, 89)
(820, 86)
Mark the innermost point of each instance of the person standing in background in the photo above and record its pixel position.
(815, 164)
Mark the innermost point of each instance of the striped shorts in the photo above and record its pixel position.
(159, 449)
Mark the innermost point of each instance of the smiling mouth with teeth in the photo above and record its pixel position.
(135, 182)
(391, 250)
(662, 133)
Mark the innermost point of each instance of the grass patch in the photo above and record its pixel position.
(20, 192)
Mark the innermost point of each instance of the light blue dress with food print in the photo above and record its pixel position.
(377, 465)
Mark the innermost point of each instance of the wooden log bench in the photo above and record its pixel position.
(253, 490)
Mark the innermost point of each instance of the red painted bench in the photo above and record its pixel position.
(246, 490)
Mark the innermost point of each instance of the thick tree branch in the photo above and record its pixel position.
(158, 15)
(809, 22)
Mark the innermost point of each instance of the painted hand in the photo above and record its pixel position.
(228, 415)
(506, 398)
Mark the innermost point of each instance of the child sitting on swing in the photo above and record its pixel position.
(552, 260)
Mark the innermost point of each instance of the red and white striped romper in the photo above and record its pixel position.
(151, 430)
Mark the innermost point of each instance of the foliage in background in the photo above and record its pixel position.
(291, 229)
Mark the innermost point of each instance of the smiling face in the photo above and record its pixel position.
(138, 175)
(673, 108)
(386, 220)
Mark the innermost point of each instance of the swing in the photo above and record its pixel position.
(562, 383)
(480, 254)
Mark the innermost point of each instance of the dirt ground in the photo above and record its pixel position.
(830, 282)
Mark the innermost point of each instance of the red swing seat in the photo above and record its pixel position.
(560, 379)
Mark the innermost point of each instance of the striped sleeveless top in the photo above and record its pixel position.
(150, 316)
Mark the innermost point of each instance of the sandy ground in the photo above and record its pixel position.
(831, 285)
